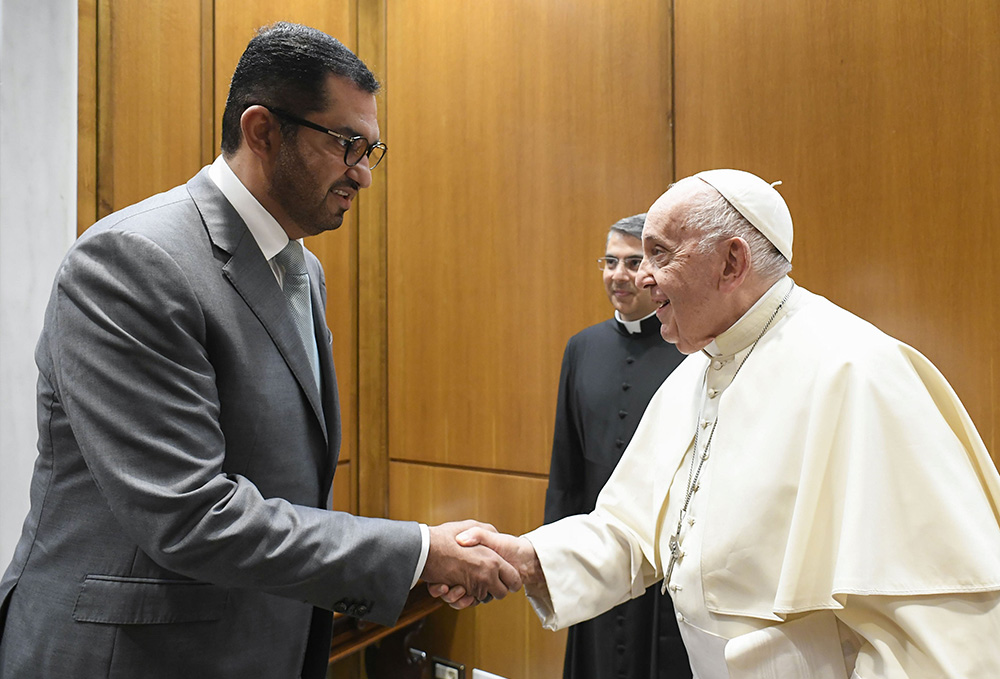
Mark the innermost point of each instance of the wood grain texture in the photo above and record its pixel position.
(207, 93)
(86, 114)
(519, 131)
(149, 105)
(373, 412)
(343, 498)
(504, 637)
(881, 120)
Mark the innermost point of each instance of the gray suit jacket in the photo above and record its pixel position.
(185, 457)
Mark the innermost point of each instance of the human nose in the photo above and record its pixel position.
(644, 275)
(621, 272)
(361, 173)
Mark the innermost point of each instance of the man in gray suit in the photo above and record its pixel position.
(189, 422)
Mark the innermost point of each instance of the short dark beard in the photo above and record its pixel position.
(290, 188)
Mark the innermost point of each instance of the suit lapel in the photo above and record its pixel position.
(253, 279)
(331, 403)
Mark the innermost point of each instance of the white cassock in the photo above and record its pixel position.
(845, 523)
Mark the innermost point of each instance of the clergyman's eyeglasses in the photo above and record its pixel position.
(611, 263)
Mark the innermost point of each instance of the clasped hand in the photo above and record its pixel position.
(470, 563)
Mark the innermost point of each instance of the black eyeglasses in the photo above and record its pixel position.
(611, 263)
(355, 148)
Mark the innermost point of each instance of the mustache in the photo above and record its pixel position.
(346, 183)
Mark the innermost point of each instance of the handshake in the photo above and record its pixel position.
(469, 563)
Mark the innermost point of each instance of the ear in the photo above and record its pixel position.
(736, 266)
(261, 132)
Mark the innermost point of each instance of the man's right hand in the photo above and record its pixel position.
(477, 571)
(516, 551)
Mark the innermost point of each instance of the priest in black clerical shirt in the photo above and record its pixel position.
(609, 373)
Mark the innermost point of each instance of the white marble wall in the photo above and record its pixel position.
(38, 86)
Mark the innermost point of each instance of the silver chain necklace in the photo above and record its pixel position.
(694, 471)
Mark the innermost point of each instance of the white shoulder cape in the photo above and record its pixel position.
(843, 461)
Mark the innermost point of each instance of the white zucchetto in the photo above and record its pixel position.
(756, 200)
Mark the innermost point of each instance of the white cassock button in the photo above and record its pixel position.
(712, 393)
(680, 618)
(717, 365)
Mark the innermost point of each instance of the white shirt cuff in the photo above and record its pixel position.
(425, 546)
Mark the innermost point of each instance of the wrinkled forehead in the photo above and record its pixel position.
(665, 217)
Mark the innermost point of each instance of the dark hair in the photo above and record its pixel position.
(286, 66)
(629, 226)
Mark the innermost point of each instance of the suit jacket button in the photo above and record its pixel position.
(622, 414)
(361, 610)
(340, 607)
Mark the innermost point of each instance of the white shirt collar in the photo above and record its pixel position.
(264, 228)
(633, 327)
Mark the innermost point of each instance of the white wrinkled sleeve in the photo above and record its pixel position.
(593, 562)
(590, 566)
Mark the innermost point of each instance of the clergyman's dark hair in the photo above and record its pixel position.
(629, 226)
(286, 66)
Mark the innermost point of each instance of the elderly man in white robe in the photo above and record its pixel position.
(810, 491)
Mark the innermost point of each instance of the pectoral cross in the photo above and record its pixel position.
(675, 553)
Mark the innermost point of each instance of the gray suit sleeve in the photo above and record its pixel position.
(131, 368)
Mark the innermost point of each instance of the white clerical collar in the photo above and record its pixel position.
(743, 332)
(633, 327)
(270, 237)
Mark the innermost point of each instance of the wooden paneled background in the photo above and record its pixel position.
(518, 131)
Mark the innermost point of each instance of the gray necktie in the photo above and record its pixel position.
(295, 284)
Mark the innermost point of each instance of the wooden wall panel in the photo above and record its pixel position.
(342, 493)
(504, 637)
(86, 115)
(881, 120)
(373, 411)
(148, 98)
(236, 22)
(518, 131)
